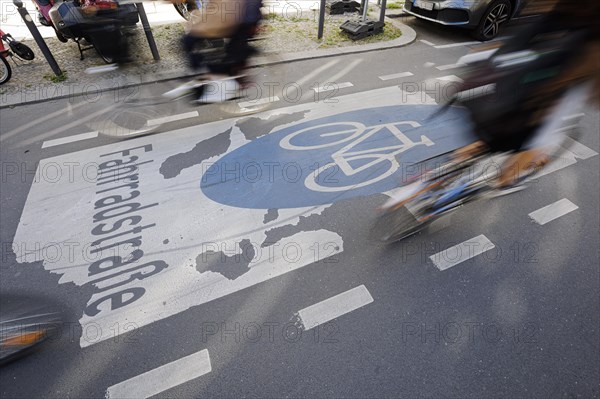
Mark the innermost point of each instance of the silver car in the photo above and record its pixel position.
(483, 17)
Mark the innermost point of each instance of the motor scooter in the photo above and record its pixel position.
(91, 24)
(21, 50)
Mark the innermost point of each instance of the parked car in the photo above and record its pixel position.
(483, 17)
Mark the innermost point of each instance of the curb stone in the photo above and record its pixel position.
(12, 100)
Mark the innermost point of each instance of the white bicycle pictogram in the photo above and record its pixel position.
(353, 133)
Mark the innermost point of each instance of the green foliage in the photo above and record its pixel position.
(56, 79)
(393, 6)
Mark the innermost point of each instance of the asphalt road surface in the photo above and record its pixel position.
(233, 256)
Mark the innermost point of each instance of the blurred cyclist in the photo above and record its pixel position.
(535, 127)
(236, 21)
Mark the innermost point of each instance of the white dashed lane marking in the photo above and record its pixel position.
(332, 86)
(162, 378)
(461, 252)
(449, 66)
(553, 211)
(172, 118)
(578, 149)
(427, 43)
(396, 76)
(574, 150)
(69, 139)
(334, 307)
(450, 78)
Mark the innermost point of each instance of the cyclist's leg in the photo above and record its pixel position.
(470, 150)
(190, 45)
(520, 165)
(239, 50)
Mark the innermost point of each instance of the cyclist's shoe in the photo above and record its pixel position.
(184, 89)
(219, 89)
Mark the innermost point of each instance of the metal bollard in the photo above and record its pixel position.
(383, 4)
(148, 31)
(321, 20)
(38, 37)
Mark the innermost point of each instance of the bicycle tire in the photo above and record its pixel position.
(181, 9)
(397, 224)
(184, 11)
(5, 70)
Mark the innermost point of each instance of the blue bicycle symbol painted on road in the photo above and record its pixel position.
(354, 134)
(330, 159)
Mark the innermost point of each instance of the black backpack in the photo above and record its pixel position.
(502, 92)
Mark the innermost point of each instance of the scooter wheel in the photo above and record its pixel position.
(60, 36)
(5, 71)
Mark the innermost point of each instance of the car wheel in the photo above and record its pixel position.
(497, 14)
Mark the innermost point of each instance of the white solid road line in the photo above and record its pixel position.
(461, 252)
(427, 43)
(260, 101)
(396, 76)
(172, 118)
(334, 307)
(162, 378)
(553, 211)
(332, 86)
(69, 139)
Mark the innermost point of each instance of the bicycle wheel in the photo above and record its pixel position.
(185, 9)
(132, 111)
(397, 224)
(5, 71)
(258, 93)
